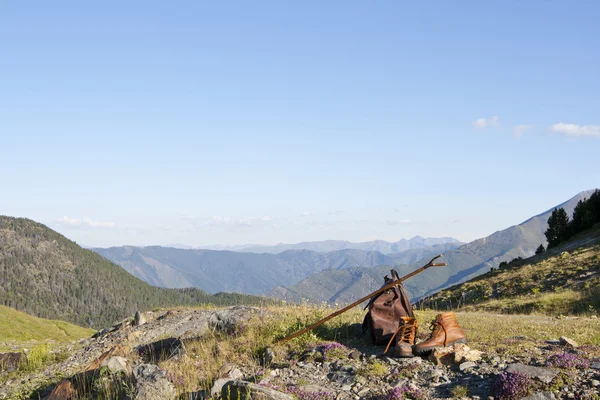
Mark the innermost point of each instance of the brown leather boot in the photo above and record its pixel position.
(405, 338)
(445, 332)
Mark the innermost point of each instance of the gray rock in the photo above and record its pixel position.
(410, 361)
(346, 388)
(116, 365)
(234, 390)
(235, 374)
(595, 365)
(595, 383)
(231, 319)
(542, 374)
(467, 365)
(151, 383)
(565, 341)
(435, 375)
(541, 396)
(313, 389)
(139, 319)
(391, 361)
(218, 386)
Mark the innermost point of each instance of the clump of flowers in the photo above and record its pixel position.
(568, 360)
(406, 392)
(306, 395)
(177, 378)
(333, 350)
(512, 386)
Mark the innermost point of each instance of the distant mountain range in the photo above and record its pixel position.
(327, 246)
(464, 263)
(245, 272)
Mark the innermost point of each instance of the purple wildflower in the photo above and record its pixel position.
(511, 386)
(306, 395)
(176, 378)
(406, 392)
(568, 360)
(332, 346)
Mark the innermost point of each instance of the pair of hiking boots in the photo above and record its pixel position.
(444, 332)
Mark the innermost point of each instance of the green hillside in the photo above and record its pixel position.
(563, 280)
(16, 326)
(44, 274)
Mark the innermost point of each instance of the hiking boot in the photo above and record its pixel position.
(445, 332)
(405, 338)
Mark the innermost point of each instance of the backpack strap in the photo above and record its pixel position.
(403, 295)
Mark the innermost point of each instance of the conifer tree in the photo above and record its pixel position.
(558, 227)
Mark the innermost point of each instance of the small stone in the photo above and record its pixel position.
(467, 365)
(595, 365)
(363, 392)
(346, 388)
(565, 341)
(391, 361)
(116, 365)
(251, 391)
(435, 375)
(442, 356)
(354, 355)
(464, 353)
(235, 373)
(139, 319)
(595, 383)
(152, 383)
(543, 374)
(274, 372)
(411, 361)
(541, 396)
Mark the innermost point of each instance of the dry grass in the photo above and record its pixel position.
(207, 359)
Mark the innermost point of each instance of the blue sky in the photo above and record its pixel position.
(277, 121)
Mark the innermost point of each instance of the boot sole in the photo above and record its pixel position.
(427, 350)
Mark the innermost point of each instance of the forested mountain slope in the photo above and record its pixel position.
(46, 275)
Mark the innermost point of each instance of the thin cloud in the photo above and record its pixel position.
(245, 221)
(482, 123)
(519, 130)
(398, 221)
(574, 130)
(86, 222)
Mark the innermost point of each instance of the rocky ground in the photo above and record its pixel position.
(230, 353)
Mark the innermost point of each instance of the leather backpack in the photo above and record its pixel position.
(383, 318)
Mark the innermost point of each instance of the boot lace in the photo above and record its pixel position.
(406, 333)
(437, 328)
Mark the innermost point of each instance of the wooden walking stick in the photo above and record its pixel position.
(357, 302)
